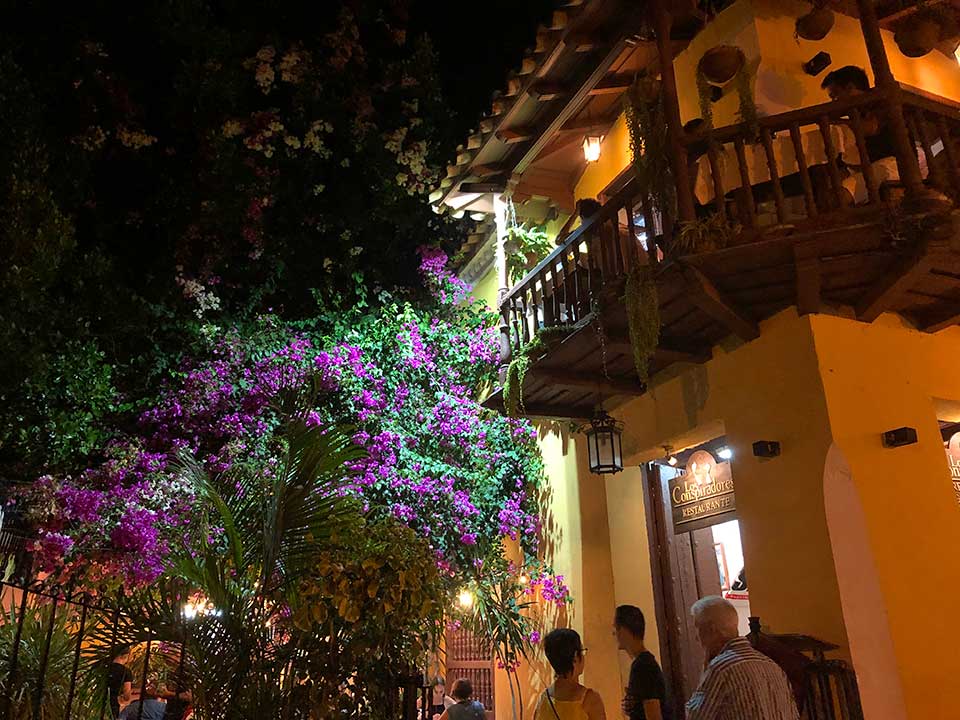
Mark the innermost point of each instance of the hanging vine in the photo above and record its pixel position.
(521, 362)
(643, 318)
(649, 145)
(747, 112)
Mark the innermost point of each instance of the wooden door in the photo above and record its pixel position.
(685, 569)
(468, 656)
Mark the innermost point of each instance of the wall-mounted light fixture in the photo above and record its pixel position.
(725, 453)
(591, 147)
(900, 437)
(766, 448)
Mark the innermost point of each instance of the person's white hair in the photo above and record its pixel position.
(719, 613)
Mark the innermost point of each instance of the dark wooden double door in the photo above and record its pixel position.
(684, 569)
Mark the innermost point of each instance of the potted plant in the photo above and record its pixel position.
(525, 247)
(918, 34)
(817, 23)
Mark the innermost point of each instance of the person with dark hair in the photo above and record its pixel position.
(645, 698)
(567, 699)
(440, 700)
(847, 83)
(119, 679)
(464, 706)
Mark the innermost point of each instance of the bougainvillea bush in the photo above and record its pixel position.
(404, 378)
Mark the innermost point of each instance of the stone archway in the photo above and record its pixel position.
(864, 610)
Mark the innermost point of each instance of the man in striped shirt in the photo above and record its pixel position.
(739, 683)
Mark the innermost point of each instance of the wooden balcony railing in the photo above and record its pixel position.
(799, 186)
(564, 288)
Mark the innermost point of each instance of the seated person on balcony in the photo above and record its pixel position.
(845, 84)
(695, 151)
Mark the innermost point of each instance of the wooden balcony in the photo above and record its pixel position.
(899, 251)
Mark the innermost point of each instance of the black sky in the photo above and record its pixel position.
(478, 43)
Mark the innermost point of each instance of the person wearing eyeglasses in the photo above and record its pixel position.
(567, 699)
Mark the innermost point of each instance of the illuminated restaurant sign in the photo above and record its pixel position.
(703, 495)
(953, 459)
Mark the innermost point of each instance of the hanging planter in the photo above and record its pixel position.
(720, 64)
(919, 34)
(707, 89)
(816, 24)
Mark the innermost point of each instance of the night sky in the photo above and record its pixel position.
(478, 43)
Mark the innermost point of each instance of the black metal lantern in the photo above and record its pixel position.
(604, 436)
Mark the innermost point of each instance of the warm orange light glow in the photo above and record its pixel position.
(591, 147)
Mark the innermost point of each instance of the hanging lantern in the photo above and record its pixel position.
(591, 147)
(604, 436)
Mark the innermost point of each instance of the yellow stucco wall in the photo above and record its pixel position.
(821, 385)
(764, 30)
(879, 377)
(486, 289)
(577, 543)
(768, 389)
(630, 555)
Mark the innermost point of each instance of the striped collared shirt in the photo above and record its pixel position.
(742, 684)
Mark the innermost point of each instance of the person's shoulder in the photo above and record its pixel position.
(592, 699)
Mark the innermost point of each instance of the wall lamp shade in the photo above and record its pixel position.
(591, 147)
(766, 448)
(604, 444)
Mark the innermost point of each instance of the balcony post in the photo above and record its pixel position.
(907, 162)
(500, 211)
(678, 151)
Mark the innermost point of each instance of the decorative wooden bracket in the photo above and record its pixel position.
(806, 258)
(709, 299)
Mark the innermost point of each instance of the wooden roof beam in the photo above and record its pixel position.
(574, 104)
(597, 384)
(543, 90)
(712, 302)
(511, 136)
(613, 84)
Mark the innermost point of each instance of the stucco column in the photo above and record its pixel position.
(880, 377)
(501, 217)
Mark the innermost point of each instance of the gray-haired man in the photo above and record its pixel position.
(738, 683)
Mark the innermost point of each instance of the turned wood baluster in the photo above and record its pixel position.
(619, 256)
(808, 196)
(634, 254)
(866, 166)
(569, 286)
(823, 122)
(556, 284)
(778, 197)
(581, 277)
(525, 312)
(718, 193)
(649, 230)
(515, 325)
(921, 130)
(745, 184)
(546, 300)
(950, 153)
